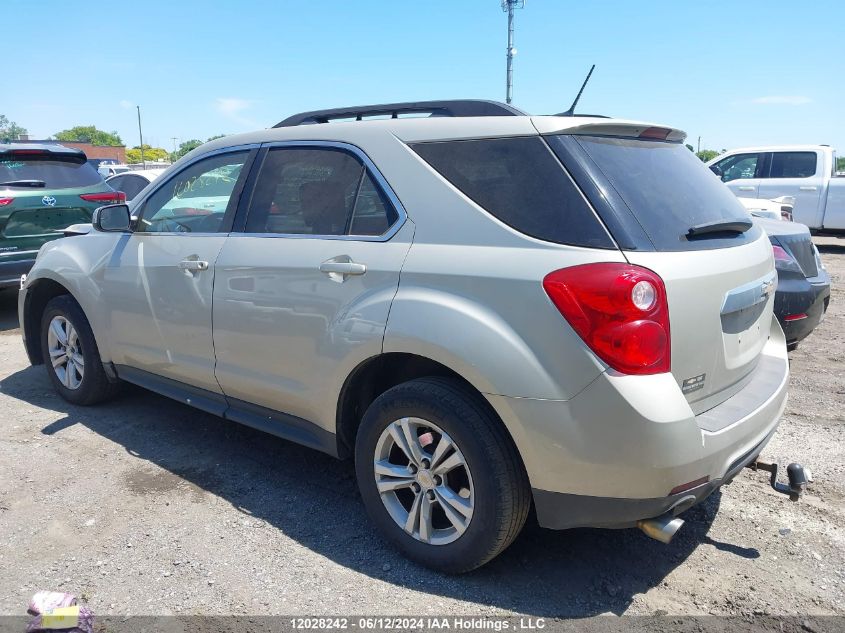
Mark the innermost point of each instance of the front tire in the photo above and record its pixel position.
(440, 476)
(70, 353)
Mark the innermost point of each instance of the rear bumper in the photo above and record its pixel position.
(617, 451)
(801, 296)
(11, 271)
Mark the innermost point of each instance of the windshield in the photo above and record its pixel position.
(55, 174)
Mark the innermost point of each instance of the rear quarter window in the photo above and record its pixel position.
(520, 182)
(56, 174)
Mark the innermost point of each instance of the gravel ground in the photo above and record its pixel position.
(145, 506)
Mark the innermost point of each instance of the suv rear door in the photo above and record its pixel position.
(304, 284)
(719, 285)
(33, 215)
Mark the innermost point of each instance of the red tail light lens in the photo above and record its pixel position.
(781, 255)
(657, 133)
(5, 201)
(110, 197)
(619, 310)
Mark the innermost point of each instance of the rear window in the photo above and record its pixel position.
(56, 174)
(664, 186)
(520, 182)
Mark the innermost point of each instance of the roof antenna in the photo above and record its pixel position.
(571, 111)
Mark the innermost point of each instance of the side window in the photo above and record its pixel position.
(132, 186)
(373, 214)
(118, 183)
(520, 182)
(317, 191)
(739, 167)
(196, 199)
(793, 165)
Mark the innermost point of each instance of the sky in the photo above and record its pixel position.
(734, 73)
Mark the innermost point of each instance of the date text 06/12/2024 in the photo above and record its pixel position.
(384, 623)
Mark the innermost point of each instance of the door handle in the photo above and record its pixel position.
(746, 188)
(343, 268)
(193, 265)
(807, 188)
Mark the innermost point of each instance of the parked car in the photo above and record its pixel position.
(777, 209)
(485, 311)
(805, 172)
(111, 169)
(132, 183)
(803, 292)
(43, 189)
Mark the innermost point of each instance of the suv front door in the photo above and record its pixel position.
(302, 293)
(158, 283)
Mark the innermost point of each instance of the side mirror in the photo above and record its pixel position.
(716, 170)
(113, 218)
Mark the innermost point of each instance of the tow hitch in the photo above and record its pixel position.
(798, 478)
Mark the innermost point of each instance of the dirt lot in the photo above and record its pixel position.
(145, 506)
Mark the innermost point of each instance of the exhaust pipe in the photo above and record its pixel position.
(661, 528)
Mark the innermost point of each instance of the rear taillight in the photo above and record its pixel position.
(619, 310)
(783, 260)
(781, 255)
(110, 197)
(5, 201)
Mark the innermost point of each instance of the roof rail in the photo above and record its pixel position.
(454, 108)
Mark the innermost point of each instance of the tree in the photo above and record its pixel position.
(189, 146)
(840, 163)
(89, 134)
(707, 154)
(9, 130)
(133, 155)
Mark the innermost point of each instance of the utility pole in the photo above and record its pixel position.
(699, 145)
(508, 6)
(141, 136)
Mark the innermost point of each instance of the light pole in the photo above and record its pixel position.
(141, 136)
(508, 6)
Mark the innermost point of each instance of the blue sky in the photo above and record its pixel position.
(735, 73)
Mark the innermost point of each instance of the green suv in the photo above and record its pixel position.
(43, 189)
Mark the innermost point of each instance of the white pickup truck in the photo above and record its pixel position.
(806, 172)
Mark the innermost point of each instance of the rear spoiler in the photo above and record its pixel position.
(606, 127)
(23, 151)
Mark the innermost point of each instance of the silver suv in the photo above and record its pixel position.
(487, 310)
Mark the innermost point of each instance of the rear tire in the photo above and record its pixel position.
(70, 353)
(465, 486)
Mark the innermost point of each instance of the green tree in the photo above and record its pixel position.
(707, 154)
(9, 130)
(89, 134)
(133, 155)
(840, 163)
(191, 145)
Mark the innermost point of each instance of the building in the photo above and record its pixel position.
(113, 152)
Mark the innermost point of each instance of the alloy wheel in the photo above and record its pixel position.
(66, 352)
(424, 481)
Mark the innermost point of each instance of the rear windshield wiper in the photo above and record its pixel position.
(720, 226)
(35, 184)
